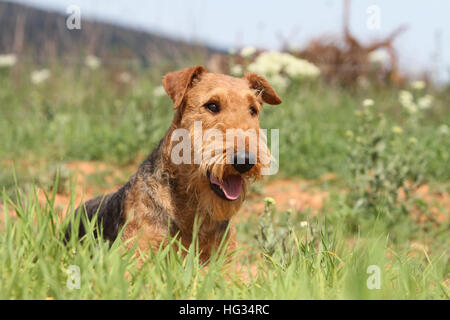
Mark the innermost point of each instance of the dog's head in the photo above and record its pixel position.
(216, 140)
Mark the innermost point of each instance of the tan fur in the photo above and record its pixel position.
(151, 202)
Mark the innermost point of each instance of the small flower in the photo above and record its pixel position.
(378, 57)
(418, 85)
(405, 98)
(444, 130)
(412, 109)
(236, 70)
(397, 130)
(368, 103)
(7, 60)
(303, 224)
(278, 81)
(248, 51)
(124, 77)
(412, 140)
(349, 133)
(280, 63)
(269, 201)
(40, 76)
(425, 102)
(92, 62)
(159, 91)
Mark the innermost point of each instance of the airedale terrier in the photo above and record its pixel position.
(165, 195)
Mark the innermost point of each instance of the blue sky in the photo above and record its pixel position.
(264, 23)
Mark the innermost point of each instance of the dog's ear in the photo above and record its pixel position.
(264, 89)
(177, 83)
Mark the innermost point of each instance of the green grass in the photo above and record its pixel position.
(319, 263)
(83, 114)
(80, 114)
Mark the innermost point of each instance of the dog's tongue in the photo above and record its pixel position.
(231, 185)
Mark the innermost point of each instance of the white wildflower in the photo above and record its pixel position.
(269, 200)
(412, 109)
(124, 77)
(418, 85)
(40, 76)
(298, 68)
(425, 102)
(444, 130)
(159, 91)
(7, 60)
(276, 63)
(278, 82)
(92, 62)
(237, 70)
(248, 51)
(349, 133)
(397, 130)
(303, 224)
(368, 103)
(406, 99)
(378, 57)
(266, 65)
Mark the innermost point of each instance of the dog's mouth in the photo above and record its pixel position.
(230, 188)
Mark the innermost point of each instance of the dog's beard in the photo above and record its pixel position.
(213, 184)
(220, 181)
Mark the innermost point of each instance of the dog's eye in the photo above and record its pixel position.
(253, 111)
(213, 107)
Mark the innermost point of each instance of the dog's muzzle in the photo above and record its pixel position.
(230, 187)
(243, 161)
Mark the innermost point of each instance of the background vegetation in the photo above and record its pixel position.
(380, 156)
(363, 184)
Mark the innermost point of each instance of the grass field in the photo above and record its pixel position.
(363, 187)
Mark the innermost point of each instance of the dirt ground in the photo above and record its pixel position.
(92, 178)
(96, 178)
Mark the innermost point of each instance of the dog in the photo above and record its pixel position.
(164, 197)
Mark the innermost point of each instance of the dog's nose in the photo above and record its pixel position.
(243, 161)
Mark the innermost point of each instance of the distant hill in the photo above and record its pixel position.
(43, 35)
